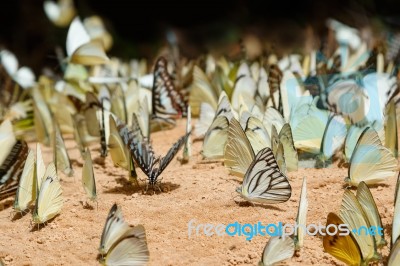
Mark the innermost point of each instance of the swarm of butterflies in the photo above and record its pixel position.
(262, 118)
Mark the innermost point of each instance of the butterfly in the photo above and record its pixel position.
(301, 216)
(122, 244)
(61, 158)
(353, 213)
(332, 141)
(42, 118)
(49, 198)
(81, 49)
(202, 92)
(26, 192)
(263, 181)
(342, 247)
(308, 124)
(23, 76)
(370, 161)
(217, 134)
(143, 154)
(61, 13)
(95, 28)
(277, 249)
(88, 180)
(238, 153)
(7, 139)
(167, 102)
(11, 169)
(285, 138)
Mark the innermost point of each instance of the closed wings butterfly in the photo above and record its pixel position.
(167, 102)
(277, 250)
(122, 244)
(264, 182)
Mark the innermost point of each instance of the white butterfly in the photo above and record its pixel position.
(81, 49)
(23, 76)
(276, 250)
(60, 13)
(123, 244)
(49, 200)
(88, 180)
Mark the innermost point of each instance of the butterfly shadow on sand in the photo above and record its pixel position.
(251, 204)
(38, 227)
(19, 215)
(125, 187)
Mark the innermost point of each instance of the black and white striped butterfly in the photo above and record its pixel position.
(11, 169)
(167, 103)
(264, 182)
(143, 153)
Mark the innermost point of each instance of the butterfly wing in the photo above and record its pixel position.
(7, 139)
(26, 188)
(238, 151)
(117, 149)
(291, 157)
(302, 216)
(215, 138)
(60, 152)
(257, 134)
(201, 92)
(40, 167)
(263, 182)
(49, 201)
(88, 180)
(131, 249)
(342, 247)
(164, 161)
(167, 101)
(333, 139)
(352, 213)
(277, 249)
(114, 228)
(205, 120)
(11, 169)
(368, 204)
(371, 162)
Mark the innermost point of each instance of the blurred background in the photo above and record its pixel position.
(139, 28)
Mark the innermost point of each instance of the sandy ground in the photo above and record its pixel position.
(204, 192)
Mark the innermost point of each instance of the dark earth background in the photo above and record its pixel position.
(139, 27)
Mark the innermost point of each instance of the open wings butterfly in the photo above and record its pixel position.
(143, 153)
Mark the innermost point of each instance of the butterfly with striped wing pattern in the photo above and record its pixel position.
(264, 182)
(11, 169)
(143, 154)
(167, 102)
